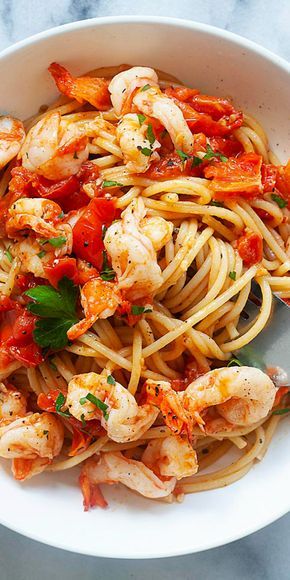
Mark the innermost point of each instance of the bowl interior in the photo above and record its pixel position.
(49, 507)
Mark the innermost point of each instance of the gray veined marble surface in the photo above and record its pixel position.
(266, 554)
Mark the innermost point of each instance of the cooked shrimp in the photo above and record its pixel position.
(27, 251)
(36, 435)
(134, 144)
(123, 84)
(155, 104)
(26, 468)
(171, 457)
(41, 216)
(115, 468)
(99, 299)
(241, 395)
(158, 230)
(132, 253)
(52, 149)
(12, 135)
(12, 404)
(123, 419)
(90, 89)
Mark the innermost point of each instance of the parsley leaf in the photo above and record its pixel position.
(41, 254)
(145, 88)
(111, 380)
(83, 420)
(150, 135)
(57, 309)
(281, 411)
(111, 184)
(196, 161)
(8, 255)
(145, 150)
(60, 401)
(97, 402)
(183, 156)
(210, 154)
(141, 118)
(61, 215)
(279, 200)
(107, 273)
(216, 203)
(234, 362)
(135, 309)
(233, 275)
(57, 242)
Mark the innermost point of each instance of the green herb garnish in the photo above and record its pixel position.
(83, 420)
(145, 150)
(137, 310)
(8, 255)
(196, 161)
(279, 200)
(281, 411)
(183, 156)
(216, 203)
(111, 184)
(57, 310)
(41, 254)
(60, 215)
(111, 380)
(107, 273)
(60, 401)
(233, 275)
(234, 362)
(145, 88)
(150, 135)
(97, 402)
(210, 153)
(141, 118)
(57, 242)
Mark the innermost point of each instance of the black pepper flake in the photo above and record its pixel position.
(86, 244)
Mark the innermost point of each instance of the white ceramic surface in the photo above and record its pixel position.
(48, 508)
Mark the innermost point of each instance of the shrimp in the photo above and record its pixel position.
(134, 144)
(12, 404)
(36, 435)
(242, 396)
(123, 84)
(132, 254)
(93, 90)
(39, 215)
(116, 468)
(171, 457)
(99, 299)
(158, 230)
(154, 103)
(120, 415)
(12, 135)
(27, 251)
(54, 150)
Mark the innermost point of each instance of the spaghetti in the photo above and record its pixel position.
(136, 213)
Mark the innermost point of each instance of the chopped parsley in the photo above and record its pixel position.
(281, 411)
(233, 275)
(279, 200)
(41, 254)
(111, 184)
(60, 401)
(60, 215)
(195, 161)
(183, 156)
(210, 153)
(97, 402)
(234, 362)
(8, 255)
(150, 135)
(83, 420)
(145, 88)
(145, 150)
(57, 312)
(57, 242)
(141, 118)
(137, 310)
(107, 273)
(216, 203)
(111, 380)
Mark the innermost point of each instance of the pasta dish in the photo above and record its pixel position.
(135, 215)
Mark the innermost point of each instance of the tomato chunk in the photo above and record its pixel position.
(61, 267)
(237, 176)
(90, 89)
(250, 248)
(269, 176)
(87, 233)
(283, 181)
(16, 337)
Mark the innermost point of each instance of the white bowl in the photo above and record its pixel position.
(49, 508)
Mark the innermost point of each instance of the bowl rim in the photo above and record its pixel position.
(242, 42)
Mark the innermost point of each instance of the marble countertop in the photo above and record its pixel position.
(266, 554)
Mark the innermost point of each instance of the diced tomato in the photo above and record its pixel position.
(229, 147)
(281, 392)
(168, 167)
(125, 309)
(191, 372)
(7, 304)
(237, 176)
(210, 115)
(46, 401)
(87, 233)
(269, 176)
(19, 343)
(183, 94)
(250, 247)
(91, 89)
(61, 267)
(26, 281)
